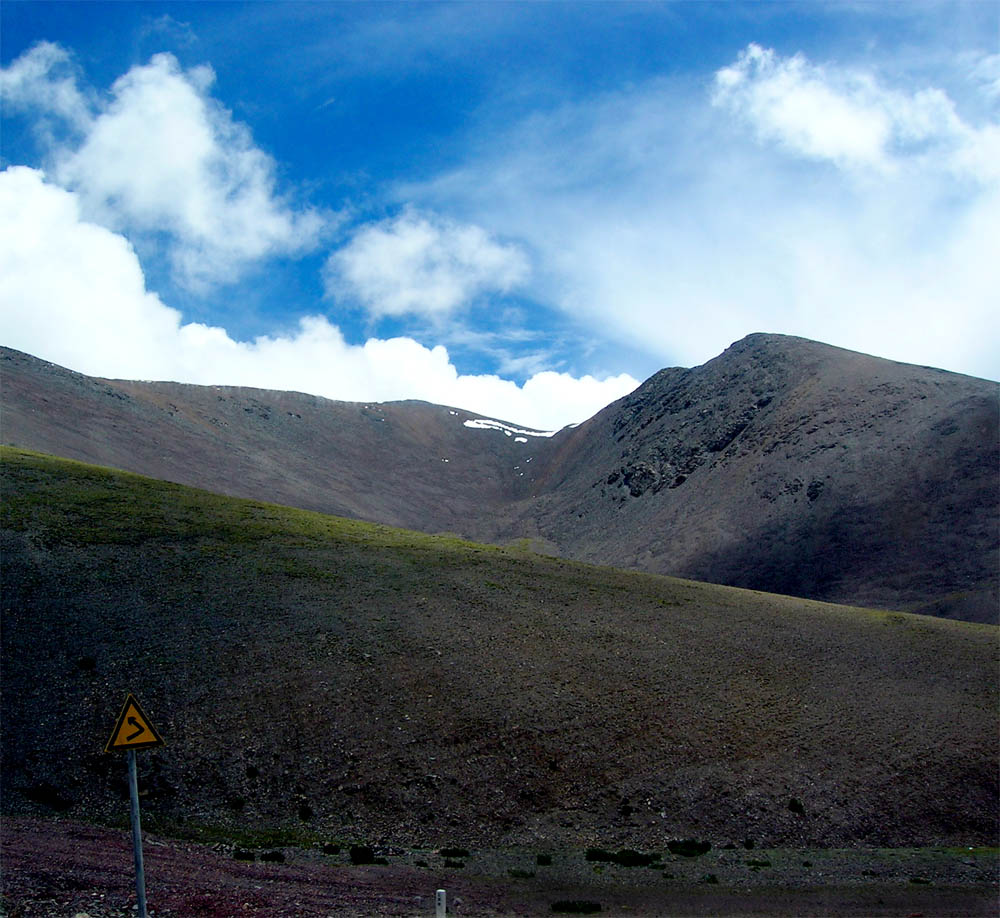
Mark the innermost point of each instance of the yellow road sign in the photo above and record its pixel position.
(133, 729)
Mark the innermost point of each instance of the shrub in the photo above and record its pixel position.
(629, 858)
(453, 852)
(362, 854)
(576, 907)
(689, 847)
(626, 857)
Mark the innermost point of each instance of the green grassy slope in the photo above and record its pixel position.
(336, 677)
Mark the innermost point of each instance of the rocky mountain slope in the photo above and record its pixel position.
(793, 467)
(783, 465)
(375, 685)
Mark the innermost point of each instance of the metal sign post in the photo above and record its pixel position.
(140, 876)
(134, 731)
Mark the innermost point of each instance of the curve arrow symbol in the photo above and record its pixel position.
(139, 728)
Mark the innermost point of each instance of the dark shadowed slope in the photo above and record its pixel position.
(782, 465)
(372, 683)
(793, 467)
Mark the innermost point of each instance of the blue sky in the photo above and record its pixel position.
(522, 209)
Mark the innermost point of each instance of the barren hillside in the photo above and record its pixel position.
(373, 683)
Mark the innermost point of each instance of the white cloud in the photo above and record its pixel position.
(43, 81)
(848, 117)
(793, 103)
(422, 264)
(676, 228)
(986, 69)
(163, 157)
(74, 293)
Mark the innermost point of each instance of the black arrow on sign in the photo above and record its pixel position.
(139, 729)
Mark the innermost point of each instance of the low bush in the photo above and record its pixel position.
(689, 847)
(453, 852)
(576, 907)
(625, 858)
(362, 854)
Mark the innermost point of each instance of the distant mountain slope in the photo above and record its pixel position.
(793, 467)
(373, 684)
(407, 464)
(783, 465)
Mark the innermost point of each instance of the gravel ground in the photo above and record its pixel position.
(60, 869)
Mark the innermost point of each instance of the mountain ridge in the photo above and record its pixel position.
(782, 464)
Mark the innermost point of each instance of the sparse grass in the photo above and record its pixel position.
(69, 502)
(243, 835)
(289, 656)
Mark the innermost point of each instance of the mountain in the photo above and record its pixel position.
(793, 467)
(347, 681)
(782, 465)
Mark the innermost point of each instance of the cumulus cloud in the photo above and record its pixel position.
(847, 116)
(162, 157)
(74, 293)
(422, 264)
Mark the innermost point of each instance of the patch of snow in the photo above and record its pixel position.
(484, 424)
(520, 439)
(455, 413)
(446, 460)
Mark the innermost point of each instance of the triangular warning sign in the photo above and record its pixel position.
(133, 729)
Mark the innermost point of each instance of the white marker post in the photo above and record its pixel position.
(440, 904)
(134, 731)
